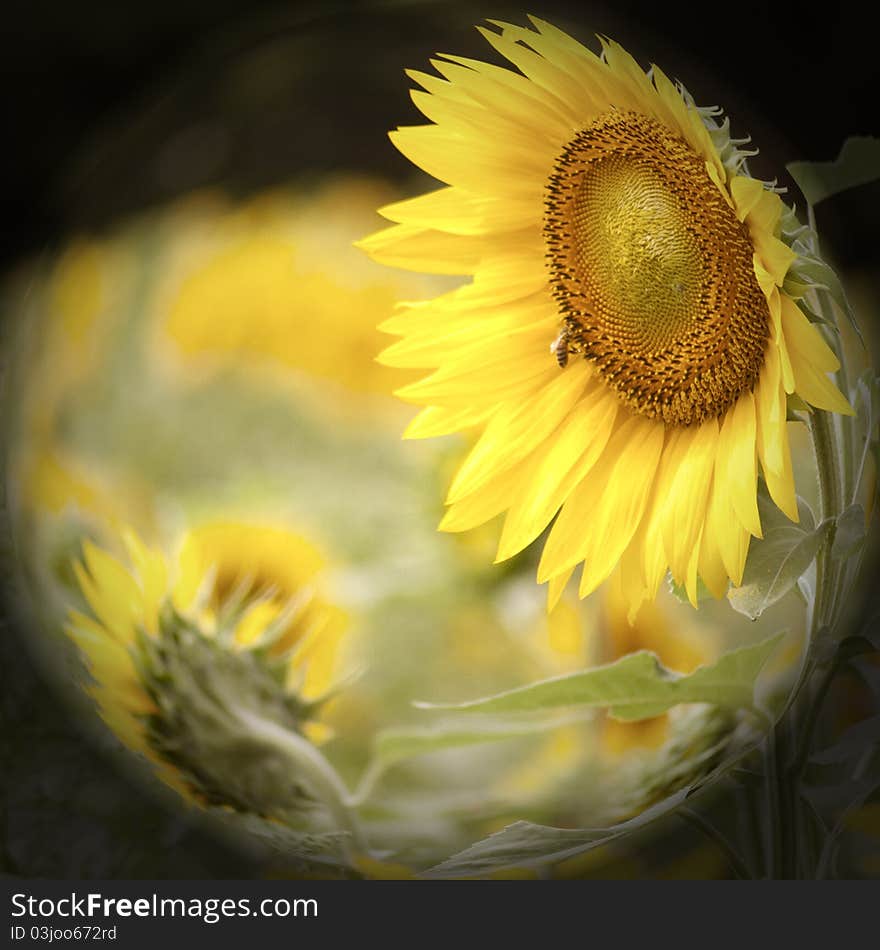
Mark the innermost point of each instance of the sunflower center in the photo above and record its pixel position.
(652, 271)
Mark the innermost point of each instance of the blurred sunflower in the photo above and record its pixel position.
(69, 311)
(199, 664)
(72, 333)
(679, 645)
(567, 640)
(626, 345)
(273, 285)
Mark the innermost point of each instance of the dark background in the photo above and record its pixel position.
(110, 107)
(91, 90)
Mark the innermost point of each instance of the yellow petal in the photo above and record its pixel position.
(315, 657)
(811, 361)
(474, 164)
(563, 462)
(747, 193)
(415, 248)
(458, 212)
(541, 71)
(555, 587)
(519, 428)
(770, 410)
(436, 420)
(711, 566)
(111, 592)
(504, 91)
(780, 483)
(484, 504)
(599, 518)
(730, 538)
(775, 255)
(737, 461)
(467, 345)
(684, 507)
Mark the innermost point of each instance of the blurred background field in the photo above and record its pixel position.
(192, 341)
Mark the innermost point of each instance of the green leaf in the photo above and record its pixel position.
(392, 746)
(636, 686)
(866, 400)
(396, 745)
(679, 592)
(527, 845)
(857, 164)
(682, 773)
(850, 532)
(776, 562)
(282, 845)
(812, 315)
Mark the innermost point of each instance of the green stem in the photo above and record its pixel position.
(833, 448)
(814, 707)
(831, 498)
(774, 810)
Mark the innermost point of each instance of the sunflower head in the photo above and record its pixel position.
(182, 669)
(652, 271)
(627, 342)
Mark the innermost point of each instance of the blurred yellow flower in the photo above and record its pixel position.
(186, 653)
(625, 347)
(72, 330)
(572, 637)
(65, 326)
(274, 570)
(680, 645)
(274, 284)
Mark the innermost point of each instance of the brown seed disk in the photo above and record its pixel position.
(653, 271)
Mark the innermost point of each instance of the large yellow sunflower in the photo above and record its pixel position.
(187, 654)
(625, 347)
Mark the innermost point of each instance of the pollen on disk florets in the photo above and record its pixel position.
(652, 271)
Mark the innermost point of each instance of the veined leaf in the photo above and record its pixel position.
(527, 845)
(776, 562)
(396, 745)
(636, 686)
(857, 164)
(679, 592)
(524, 845)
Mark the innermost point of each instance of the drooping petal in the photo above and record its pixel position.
(811, 361)
(572, 452)
(604, 509)
(737, 462)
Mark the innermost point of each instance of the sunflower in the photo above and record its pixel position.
(626, 345)
(186, 655)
